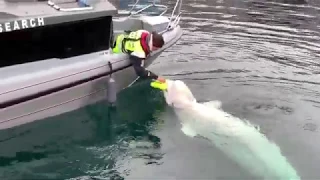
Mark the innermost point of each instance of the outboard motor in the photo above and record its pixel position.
(112, 88)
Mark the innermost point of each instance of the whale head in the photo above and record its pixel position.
(178, 95)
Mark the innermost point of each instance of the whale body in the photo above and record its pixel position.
(237, 138)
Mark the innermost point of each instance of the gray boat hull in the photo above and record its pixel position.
(63, 86)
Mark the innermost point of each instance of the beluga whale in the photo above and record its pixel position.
(238, 139)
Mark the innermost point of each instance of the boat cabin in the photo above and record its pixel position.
(34, 31)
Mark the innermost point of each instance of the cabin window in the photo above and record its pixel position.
(55, 41)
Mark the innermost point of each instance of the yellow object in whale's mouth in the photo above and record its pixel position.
(159, 85)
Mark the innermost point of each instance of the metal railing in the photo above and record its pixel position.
(83, 6)
(147, 7)
(174, 18)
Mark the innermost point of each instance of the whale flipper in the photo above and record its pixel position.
(213, 104)
(187, 130)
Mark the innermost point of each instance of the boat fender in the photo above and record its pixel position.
(111, 88)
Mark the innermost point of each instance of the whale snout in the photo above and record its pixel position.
(178, 94)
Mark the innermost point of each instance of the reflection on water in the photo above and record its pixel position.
(90, 141)
(258, 57)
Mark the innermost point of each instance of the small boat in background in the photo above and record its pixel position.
(56, 54)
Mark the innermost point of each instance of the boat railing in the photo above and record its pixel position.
(174, 18)
(175, 15)
(80, 5)
(153, 4)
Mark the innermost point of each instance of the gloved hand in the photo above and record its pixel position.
(161, 79)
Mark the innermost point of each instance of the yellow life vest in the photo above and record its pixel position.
(129, 43)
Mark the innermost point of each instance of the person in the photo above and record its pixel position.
(139, 44)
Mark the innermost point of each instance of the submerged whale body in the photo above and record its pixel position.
(238, 139)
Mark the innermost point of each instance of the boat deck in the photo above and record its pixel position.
(15, 10)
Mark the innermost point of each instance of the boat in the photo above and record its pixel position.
(56, 54)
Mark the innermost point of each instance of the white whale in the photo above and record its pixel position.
(238, 139)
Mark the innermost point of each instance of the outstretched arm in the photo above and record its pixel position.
(137, 64)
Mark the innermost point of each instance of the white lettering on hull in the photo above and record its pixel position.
(21, 24)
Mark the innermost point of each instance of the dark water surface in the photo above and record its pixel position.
(258, 57)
